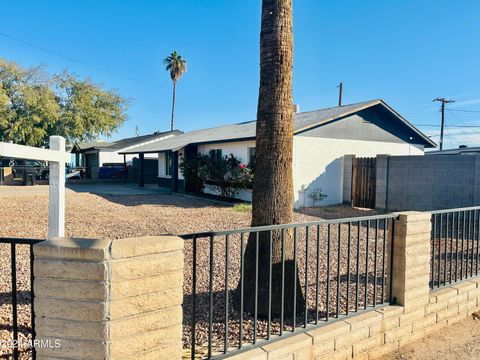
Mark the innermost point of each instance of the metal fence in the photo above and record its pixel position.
(19, 335)
(454, 246)
(247, 286)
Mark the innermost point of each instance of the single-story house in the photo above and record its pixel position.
(93, 155)
(461, 150)
(321, 140)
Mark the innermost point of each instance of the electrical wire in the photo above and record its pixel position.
(105, 70)
(469, 111)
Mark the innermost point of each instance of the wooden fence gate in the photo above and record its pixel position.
(364, 182)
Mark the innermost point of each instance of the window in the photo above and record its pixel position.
(169, 163)
(216, 154)
(251, 156)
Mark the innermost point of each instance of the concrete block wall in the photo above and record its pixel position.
(428, 182)
(347, 178)
(109, 299)
(373, 334)
(381, 181)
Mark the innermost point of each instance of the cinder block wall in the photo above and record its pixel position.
(115, 299)
(429, 182)
(372, 334)
(347, 178)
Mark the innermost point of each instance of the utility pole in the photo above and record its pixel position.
(340, 86)
(443, 101)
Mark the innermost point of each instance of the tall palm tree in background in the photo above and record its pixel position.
(177, 66)
(272, 197)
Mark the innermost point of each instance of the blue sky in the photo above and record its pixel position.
(405, 52)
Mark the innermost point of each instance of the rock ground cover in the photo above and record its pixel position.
(120, 216)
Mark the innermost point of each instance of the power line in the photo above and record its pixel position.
(457, 134)
(99, 68)
(470, 111)
(452, 126)
(80, 62)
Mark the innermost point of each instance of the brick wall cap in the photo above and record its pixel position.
(72, 248)
(145, 245)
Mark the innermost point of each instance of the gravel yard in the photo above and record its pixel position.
(120, 216)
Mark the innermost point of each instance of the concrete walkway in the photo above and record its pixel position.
(118, 189)
(97, 188)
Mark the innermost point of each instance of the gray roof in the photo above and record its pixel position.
(246, 130)
(122, 143)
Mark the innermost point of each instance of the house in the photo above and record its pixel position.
(321, 139)
(461, 150)
(93, 155)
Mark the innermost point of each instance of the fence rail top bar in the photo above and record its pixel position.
(6, 240)
(454, 210)
(33, 153)
(287, 226)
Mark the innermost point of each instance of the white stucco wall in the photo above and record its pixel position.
(318, 165)
(237, 148)
(162, 168)
(114, 157)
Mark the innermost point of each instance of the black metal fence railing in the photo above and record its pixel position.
(247, 286)
(454, 246)
(19, 333)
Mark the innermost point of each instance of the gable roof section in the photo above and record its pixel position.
(246, 131)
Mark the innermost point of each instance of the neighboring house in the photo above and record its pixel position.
(93, 155)
(321, 139)
(461, 150)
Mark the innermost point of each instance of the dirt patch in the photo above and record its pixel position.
(456, 342)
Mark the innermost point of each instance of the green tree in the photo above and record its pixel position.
(177, 66)
(35, 105)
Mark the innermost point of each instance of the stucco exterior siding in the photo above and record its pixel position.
(318, 165)
(107, 157)
(237, 148)
(161, 166)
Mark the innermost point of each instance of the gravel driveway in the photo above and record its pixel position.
(120, 216)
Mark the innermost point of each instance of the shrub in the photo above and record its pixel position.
(226, 175)
(191, 170)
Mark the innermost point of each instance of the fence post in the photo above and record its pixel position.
(347, 178)
(109, 299)
(56, 191)
(476, 188)
(411, 260)
(381, 182)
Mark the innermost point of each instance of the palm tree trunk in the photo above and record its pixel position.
(173, 103)
(272, 196)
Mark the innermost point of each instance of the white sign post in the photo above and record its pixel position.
(56, 157)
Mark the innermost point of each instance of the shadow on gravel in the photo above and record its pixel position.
(26, 330)
(23, 298)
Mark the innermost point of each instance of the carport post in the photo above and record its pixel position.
(125, 174)
(142, 170)
(56, 191)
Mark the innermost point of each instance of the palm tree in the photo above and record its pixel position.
(272, 197)
(177, 66)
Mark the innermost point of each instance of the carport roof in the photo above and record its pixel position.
(246, 130)
(126, 144)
